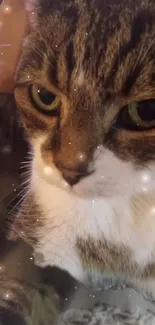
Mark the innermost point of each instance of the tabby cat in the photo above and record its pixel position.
(85, 88)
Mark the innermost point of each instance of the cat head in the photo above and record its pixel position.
(85, 86)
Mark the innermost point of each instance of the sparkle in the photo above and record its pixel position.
(7, 9)
(69, 143)
(31, 258)
(47, 171)
(93, 201)
(81, 156)
(86, 34)
(65, 185)
(66, 299)
(75, 288)
(145, 177)
(56, 45)
(6, 149)
(102, 177)
(7, 295)
(1, 268)
(32, 12)
(22, 232)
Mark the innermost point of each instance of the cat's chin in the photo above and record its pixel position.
(93, 191)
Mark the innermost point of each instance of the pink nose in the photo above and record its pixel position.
(72, 176)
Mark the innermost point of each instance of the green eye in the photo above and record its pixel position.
(138, 115)
(44, 100)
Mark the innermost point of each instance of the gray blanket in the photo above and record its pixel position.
(113, 307)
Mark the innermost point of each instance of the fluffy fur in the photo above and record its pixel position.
(97, 56)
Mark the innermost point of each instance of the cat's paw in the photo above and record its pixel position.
(36, 304)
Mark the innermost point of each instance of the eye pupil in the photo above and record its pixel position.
(146, 110)
(46, 96)
(138, 115)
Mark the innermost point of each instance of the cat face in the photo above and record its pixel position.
(85, 86)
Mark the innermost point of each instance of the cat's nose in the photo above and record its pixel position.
(73, 175)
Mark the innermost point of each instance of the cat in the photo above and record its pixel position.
(85, 89)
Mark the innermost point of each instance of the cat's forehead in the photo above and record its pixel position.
(110, 41)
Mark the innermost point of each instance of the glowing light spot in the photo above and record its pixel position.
(65, 185)
(6, 149)
(145, 177)
(93, 201)
(153, 210)
(31, 258)
(7, 294)
(69, 143)
(7, 9)
(32, 12)
(102, 177)
(81, 156)
(86, 34)
(2, 268)
(47, 171)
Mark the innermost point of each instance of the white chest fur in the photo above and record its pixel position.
(117, 205)
(68, 217)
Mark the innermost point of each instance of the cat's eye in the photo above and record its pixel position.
(44, 100)
(138, 115)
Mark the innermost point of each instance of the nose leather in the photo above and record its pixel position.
(72, 176)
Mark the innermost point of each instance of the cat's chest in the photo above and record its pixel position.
(116, 222)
